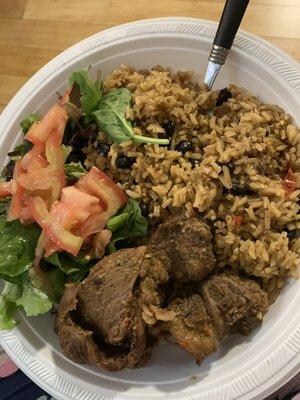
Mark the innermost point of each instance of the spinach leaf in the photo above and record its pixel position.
(4, 204)
(29, 121)
(112, 120)
(75, 268)
(17, 247)
(20, 150)
(90, 91)
(75, 95)
(10, 294)
(74, 170)
(68, 263)
(57, 279)
(127, 225)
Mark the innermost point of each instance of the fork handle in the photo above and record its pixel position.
(231, 18)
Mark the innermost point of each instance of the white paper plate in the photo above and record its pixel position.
(244, 368)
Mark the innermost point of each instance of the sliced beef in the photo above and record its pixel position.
(192, 328)
(99, 321)
(224, 303)
(179, 251)
(184, 247)
(135, 296)
(234, 302)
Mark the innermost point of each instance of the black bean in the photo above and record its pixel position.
(295, 234)
(224, 95)
(103, 148)
(144, 209)
(79, 143)
(183, 146)
(124, 162)
(194, 162)
(74, 157)
(169, 127)
(240, 190)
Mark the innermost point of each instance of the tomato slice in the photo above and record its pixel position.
(53, 151)
(40, 179)
(50, 247)
(52, 226)
(111, 198)
(34, 159)
(82, 200)
(93, 224)
(54, 120)
(41, 175)
(98, 184)
(5, 189)
(67, 215)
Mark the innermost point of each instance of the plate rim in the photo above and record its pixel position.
(287, 69)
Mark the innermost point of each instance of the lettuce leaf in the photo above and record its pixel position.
(29, 121)
(74, 170)
(33, 300)
(17, 247)
(127, 225)
(25, 295)
(10, 294)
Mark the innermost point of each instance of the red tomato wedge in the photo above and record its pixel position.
(93, 224)
(67, 215)
(40, 179)
(34, 159)
(111, 198)
(5, 189)
(50, 247)
(289, 182)
(84, 201)
(54, 120)
(53, 151)
(98, 184)
(52, 226)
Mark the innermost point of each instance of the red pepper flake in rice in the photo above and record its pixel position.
(289, 182)
(238, 220)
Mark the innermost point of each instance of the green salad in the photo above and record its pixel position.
(54, 214)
